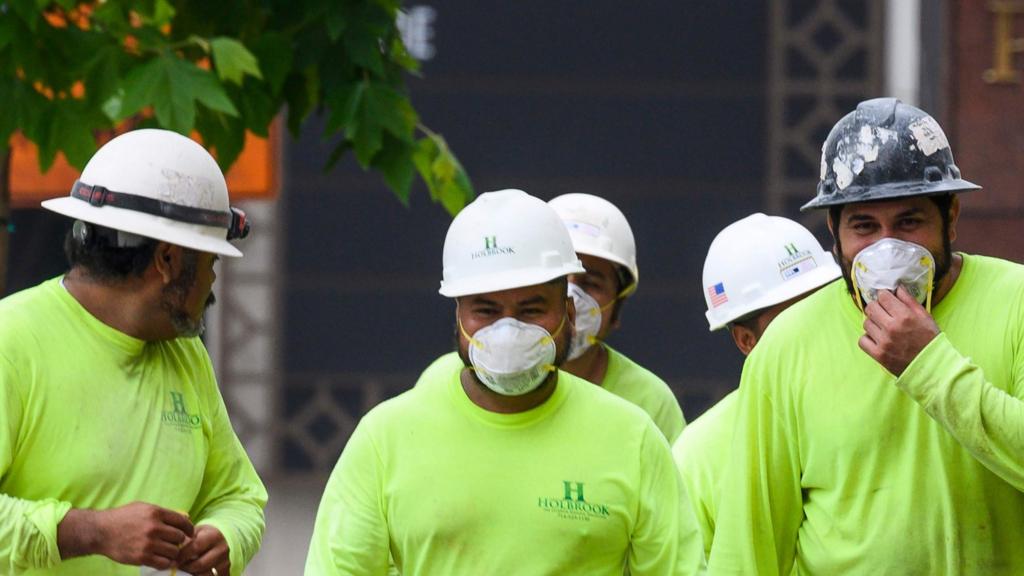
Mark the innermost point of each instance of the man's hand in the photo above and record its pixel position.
(137, 534)
(206, 551)
(896, 329)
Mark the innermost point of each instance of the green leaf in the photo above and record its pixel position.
(344, 104)
(392, 111)
(301, 92)
(445, 178)
(274, 55)
(73, 135)
(7, 31)
(363, 41)
(224, 134)
(337, 20)
(172, 86)
(395, 163)
(233, 60)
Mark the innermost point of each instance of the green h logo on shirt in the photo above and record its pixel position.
(490, 242)
(178, 416)
(573, 487)
(178, 402)
(791, 249)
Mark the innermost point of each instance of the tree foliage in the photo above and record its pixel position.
(70, 70)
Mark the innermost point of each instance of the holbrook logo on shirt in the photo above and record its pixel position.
(796, 262)
(178, 416)
(491, 248)
(573, 504)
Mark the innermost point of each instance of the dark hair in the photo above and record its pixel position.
(103, 260)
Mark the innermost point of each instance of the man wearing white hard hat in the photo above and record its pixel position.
(115, 447)
(504, 464)
(604, 242)
(755, 268)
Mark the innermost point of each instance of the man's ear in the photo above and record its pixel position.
(167, 261)
(744, 337)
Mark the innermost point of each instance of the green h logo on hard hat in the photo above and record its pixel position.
(791, 249)
(490, 242)
(573, 487)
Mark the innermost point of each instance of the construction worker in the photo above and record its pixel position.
(604, 243)
(115, 447)
(506, 465)
(755, 268)
(880, 421)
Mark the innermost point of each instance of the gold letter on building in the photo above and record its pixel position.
(1004, 44)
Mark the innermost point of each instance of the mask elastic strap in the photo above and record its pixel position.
(931, 284)
(470, 339)
(856, 288)
(551, 337)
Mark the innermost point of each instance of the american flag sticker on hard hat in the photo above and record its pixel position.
(717, 295)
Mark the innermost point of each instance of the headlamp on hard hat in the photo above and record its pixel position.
(234, 221)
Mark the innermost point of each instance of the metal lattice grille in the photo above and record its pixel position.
(825, 56)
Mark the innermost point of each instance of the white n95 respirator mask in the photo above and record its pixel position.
(890, 263)
(588, 321)
(512, 357)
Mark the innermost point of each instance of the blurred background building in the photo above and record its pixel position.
(687, 115)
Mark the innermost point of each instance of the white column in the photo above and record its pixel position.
(903, 49)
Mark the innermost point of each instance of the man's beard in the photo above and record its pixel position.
(175, 296)
(943, 262)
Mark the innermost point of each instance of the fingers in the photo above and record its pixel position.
(207, 550)
(179, 521)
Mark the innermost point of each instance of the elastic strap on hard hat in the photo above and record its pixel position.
(234, 220)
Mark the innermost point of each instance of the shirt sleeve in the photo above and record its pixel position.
(231, 497)
(670, 418)
(665, 539)
(28, 529)
(351, 535)
(760, 506)
(700, 493)
(985, 419)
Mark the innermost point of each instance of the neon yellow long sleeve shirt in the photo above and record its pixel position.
(93, 418)
(582, 484)
(623, 377)
(631, 381)
(702, 454)
(838, 467)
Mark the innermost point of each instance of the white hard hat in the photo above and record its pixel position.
(158, 184)
(599, 229)
(503, 240)
(758, 262)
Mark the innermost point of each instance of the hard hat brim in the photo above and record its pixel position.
(802, 284)
(855, 194)
(507, 280)
(195, 236)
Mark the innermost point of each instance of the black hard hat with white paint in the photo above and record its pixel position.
(886, 149)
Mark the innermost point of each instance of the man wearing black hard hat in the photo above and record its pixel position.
(881, 420)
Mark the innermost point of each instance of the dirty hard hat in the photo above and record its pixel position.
(157, 184)
(886, 149)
